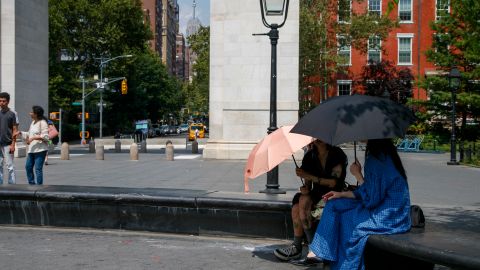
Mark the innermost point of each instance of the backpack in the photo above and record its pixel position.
(417, 217)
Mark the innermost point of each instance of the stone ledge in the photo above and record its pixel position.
(161, 210)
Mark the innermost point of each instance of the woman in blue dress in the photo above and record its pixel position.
(380, 205)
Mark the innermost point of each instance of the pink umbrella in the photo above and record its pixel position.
(273, 150)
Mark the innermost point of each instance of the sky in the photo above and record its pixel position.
(202, 12)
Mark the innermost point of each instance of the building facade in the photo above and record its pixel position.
(405, 46)
(180, 62)
(152, 10)
(170, 25)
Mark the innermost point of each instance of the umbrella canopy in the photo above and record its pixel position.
(273, 150)
(352, 118)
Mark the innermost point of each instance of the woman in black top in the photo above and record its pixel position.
(323, 169)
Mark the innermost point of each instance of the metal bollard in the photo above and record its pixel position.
(462, 151)
(99, 152)
(195, 147)
(91, 146)
(143, 146)
(169, 150)
(468, 153)
(118, 146)
(65, 152)
(134, 151)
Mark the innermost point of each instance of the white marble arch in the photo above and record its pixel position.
(240, 77)
(24, 55)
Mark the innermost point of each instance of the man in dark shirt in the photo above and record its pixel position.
(8, 133)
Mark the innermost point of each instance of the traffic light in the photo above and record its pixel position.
(124, 87)
(55, 116)
(79, 115)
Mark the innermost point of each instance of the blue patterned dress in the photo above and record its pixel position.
(381, 206)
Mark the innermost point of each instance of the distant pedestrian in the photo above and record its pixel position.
(8, 134)
(37, 140)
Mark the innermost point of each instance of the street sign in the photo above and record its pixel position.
(77, 103)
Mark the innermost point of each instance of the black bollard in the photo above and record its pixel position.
(143, 146)
(468, 154)
(462, 151)
(91, 146)
(118, 146)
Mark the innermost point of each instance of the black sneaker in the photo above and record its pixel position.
(307, 261)
(288, 253)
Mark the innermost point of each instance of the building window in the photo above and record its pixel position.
(405, 10)
(374, 49)
(344, 51)
(375, 7)
(404, 49)
(344, 87)
(442, 9)
(344, 10)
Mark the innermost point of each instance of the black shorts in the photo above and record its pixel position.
(314, 196)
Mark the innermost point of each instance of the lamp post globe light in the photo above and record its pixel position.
(272, 8)
(102, 85)
(454, 83)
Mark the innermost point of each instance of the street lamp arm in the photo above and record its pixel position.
(91, 92)
(116, 57)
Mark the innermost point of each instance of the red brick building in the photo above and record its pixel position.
(405, 46)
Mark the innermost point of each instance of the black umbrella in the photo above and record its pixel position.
(352, 118)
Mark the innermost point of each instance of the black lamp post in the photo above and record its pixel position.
(454, 82)
(273, 8)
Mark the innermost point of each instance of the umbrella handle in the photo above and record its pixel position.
(296, 165)
(355, 151)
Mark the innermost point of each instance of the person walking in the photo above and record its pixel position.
(324, 169)
(37, 140)
(8, 136)
(380, 205)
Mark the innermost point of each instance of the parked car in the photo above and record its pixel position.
(172, 129)
(157, 130)
(183, 128)
(165, 130)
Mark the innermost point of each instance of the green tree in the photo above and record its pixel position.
(197, 92)
(379, 79)
(319, 61)
(82, 32)
(455, 43)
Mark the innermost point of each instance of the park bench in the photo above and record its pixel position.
(454, 243)
(410, 143)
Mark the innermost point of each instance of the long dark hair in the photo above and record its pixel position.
(38, 111)
(385, 147)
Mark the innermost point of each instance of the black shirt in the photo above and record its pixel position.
(312, 165)
(7, 121)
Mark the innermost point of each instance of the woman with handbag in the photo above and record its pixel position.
(37, 140)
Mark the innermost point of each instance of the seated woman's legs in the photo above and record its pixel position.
(305, 209)
(293, 251)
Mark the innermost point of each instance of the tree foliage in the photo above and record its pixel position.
(319, 29)
(384, 78)
(197, 92)
(82, 32)
(455, 43)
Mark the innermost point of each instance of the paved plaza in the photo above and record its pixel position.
(443, 192)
